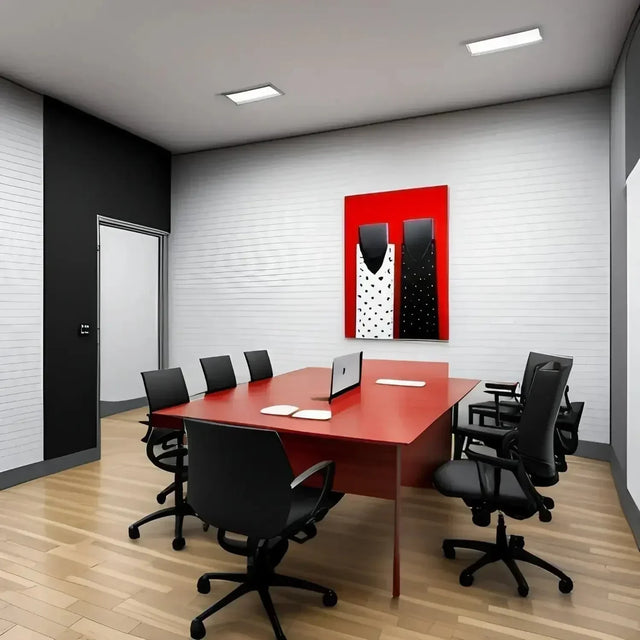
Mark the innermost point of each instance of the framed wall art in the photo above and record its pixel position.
(397, 264)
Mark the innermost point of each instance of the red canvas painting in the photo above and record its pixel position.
(397, 264)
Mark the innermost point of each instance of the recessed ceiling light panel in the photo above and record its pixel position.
(509, 41)
(253, 95)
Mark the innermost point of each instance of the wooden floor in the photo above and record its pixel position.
(69, 571)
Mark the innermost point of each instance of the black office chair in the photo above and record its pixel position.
(218, 373)
(507, 403)
(259, 365)
(166, 388)
(240, 481)
(505, 415)
(507, 483)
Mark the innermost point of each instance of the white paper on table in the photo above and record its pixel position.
(279, 410)
(313, 414)
(401, 383)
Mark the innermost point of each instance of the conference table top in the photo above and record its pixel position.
(377, 413)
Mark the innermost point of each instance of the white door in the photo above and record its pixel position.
(633, 334)
(129, 312)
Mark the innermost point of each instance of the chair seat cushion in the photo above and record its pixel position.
(304, 500)
(474, 482)
(458, 479)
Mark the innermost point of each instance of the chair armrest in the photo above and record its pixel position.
(325, 465)
(505, 386)
(479, 432)
(327, 468)
(494, 461)
(493, 437)
(502, 393)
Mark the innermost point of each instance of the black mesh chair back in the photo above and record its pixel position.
(537, 425)
(165, 388)
(534, 361)
(259, 365)
(218, 373)
(239, 478)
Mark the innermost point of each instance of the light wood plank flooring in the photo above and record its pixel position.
(68, 570)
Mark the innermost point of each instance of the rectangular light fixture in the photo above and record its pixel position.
(509, 41)
(253, 95)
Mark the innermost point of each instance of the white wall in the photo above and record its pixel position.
(633, 333)
(128, 311)
(256, 250)
(21, 246)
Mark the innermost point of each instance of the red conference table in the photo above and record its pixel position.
(381, 437)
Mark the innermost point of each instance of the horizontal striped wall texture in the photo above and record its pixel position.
(256, 250)
(21, 247)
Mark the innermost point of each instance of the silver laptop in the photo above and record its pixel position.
(346, 374)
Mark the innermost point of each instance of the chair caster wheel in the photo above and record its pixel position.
(134, 532)
(197, 630)
(548, 503)
(204, 586)
(565, 586)
(330, 599)
(449, 551)
(466, 579)
(545, 516)
(161, 498)
(178, 544)
(205, 526)
(523, 591)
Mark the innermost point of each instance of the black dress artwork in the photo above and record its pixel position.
(418, 288)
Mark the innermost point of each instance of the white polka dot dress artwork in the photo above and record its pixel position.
(374, 297)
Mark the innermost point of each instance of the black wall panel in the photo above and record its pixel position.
(632, 100)
(91, 168)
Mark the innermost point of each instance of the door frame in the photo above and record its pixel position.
(162, 295)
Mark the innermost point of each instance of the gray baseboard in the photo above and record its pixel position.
(599, 451)
(630, 508)
(47, 467)
(108, 408)
(594, 450)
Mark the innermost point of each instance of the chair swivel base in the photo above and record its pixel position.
(508, 550)
(179, 512)
(257, 578)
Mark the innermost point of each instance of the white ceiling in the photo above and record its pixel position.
(157, 67)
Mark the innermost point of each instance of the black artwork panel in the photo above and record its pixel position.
(632, 103)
